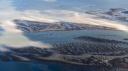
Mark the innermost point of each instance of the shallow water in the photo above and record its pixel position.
(51, 37)
(68, 36)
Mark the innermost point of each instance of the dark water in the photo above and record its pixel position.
(46, 66)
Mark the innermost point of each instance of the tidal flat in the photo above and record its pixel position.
(63, 35)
